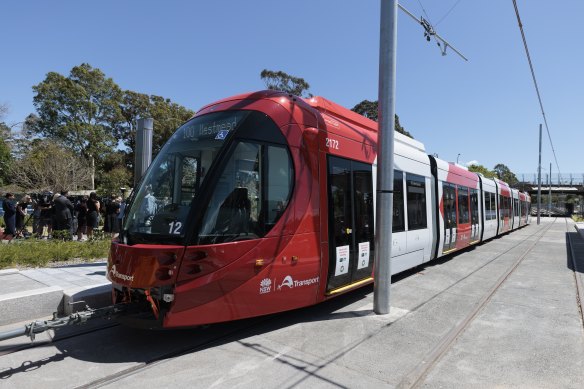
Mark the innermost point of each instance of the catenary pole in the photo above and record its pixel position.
(550, 193)
(539, 180)
(384, 210)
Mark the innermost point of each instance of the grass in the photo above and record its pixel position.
(39, 253)
(577, 218)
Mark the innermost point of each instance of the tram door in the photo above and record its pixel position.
(450, 221)
(350, 206)
(474, 215)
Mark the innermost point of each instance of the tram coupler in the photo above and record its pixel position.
(80, 317)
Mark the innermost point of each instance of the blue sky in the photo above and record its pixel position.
(195, 52)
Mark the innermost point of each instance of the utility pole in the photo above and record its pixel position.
(384, 210)
(539, 180)
(143, 154)
(550, 193)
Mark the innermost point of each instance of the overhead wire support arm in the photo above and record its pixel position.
(429, 33)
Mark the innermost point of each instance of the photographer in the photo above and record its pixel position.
(46, 217)
(63, 212)
(21, 215)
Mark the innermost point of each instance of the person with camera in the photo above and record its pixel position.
(46, 217)
(63, 212)
(21, 208)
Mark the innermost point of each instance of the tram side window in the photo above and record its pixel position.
(463, 211)
(488, 208)
(493, 205)
(474, 206)
(251, 194)
(449, 203)
(416, 195)
(398, 220)
(279, 184)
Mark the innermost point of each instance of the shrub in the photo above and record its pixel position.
(38, 253)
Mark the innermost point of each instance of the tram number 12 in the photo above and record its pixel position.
(175, 228)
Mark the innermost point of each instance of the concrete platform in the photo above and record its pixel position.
(37, 293)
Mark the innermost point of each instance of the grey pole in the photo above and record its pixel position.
(143, 152)
(539, 180)
(550, 193)
(384, 211)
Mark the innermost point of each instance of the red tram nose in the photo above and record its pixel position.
(143, 266)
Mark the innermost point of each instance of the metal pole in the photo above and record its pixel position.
(143, 152)
(539, 180)
(550, 193)
(384, 210)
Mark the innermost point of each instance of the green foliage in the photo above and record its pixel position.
(33, 252)
(483, 170)
(369, 109)
(80, 110)
(90, 115)
(118, 177)
(168, 116)
(5, 155)
(282, 81)
(505, 174)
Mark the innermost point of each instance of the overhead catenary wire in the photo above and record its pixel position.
(447, 13)
(536, 88)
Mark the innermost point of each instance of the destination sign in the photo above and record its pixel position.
(217, 129)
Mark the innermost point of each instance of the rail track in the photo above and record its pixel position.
(415, 377)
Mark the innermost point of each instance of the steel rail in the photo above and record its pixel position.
(415, 378)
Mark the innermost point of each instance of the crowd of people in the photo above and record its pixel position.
(61, 215)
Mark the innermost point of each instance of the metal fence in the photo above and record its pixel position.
(565, 179)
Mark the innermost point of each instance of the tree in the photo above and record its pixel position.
(5, 155)
(80, 111)
(168, 116)
(116, 178)
(505, 174)
(483, 170)
(369, 109)
(3, 110)
(49, 166)
(282, 81)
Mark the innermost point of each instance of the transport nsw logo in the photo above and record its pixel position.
(287, 283)
(124, 277)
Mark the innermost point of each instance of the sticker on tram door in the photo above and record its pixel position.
(363, 255)
(342, 260)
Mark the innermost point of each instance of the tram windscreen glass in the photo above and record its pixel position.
(163, 200)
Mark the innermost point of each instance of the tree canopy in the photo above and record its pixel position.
(505, 174)
(282, 81)
(81, 117)
(168, 116)
(81, 110)
(483, 170)
(369, 109)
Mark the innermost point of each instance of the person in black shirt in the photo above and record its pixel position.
(92, 214)
(63, 212)
(9, 217)
(81, 211)
(46, 219)
(21, 215)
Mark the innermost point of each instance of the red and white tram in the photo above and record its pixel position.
(264, 202)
